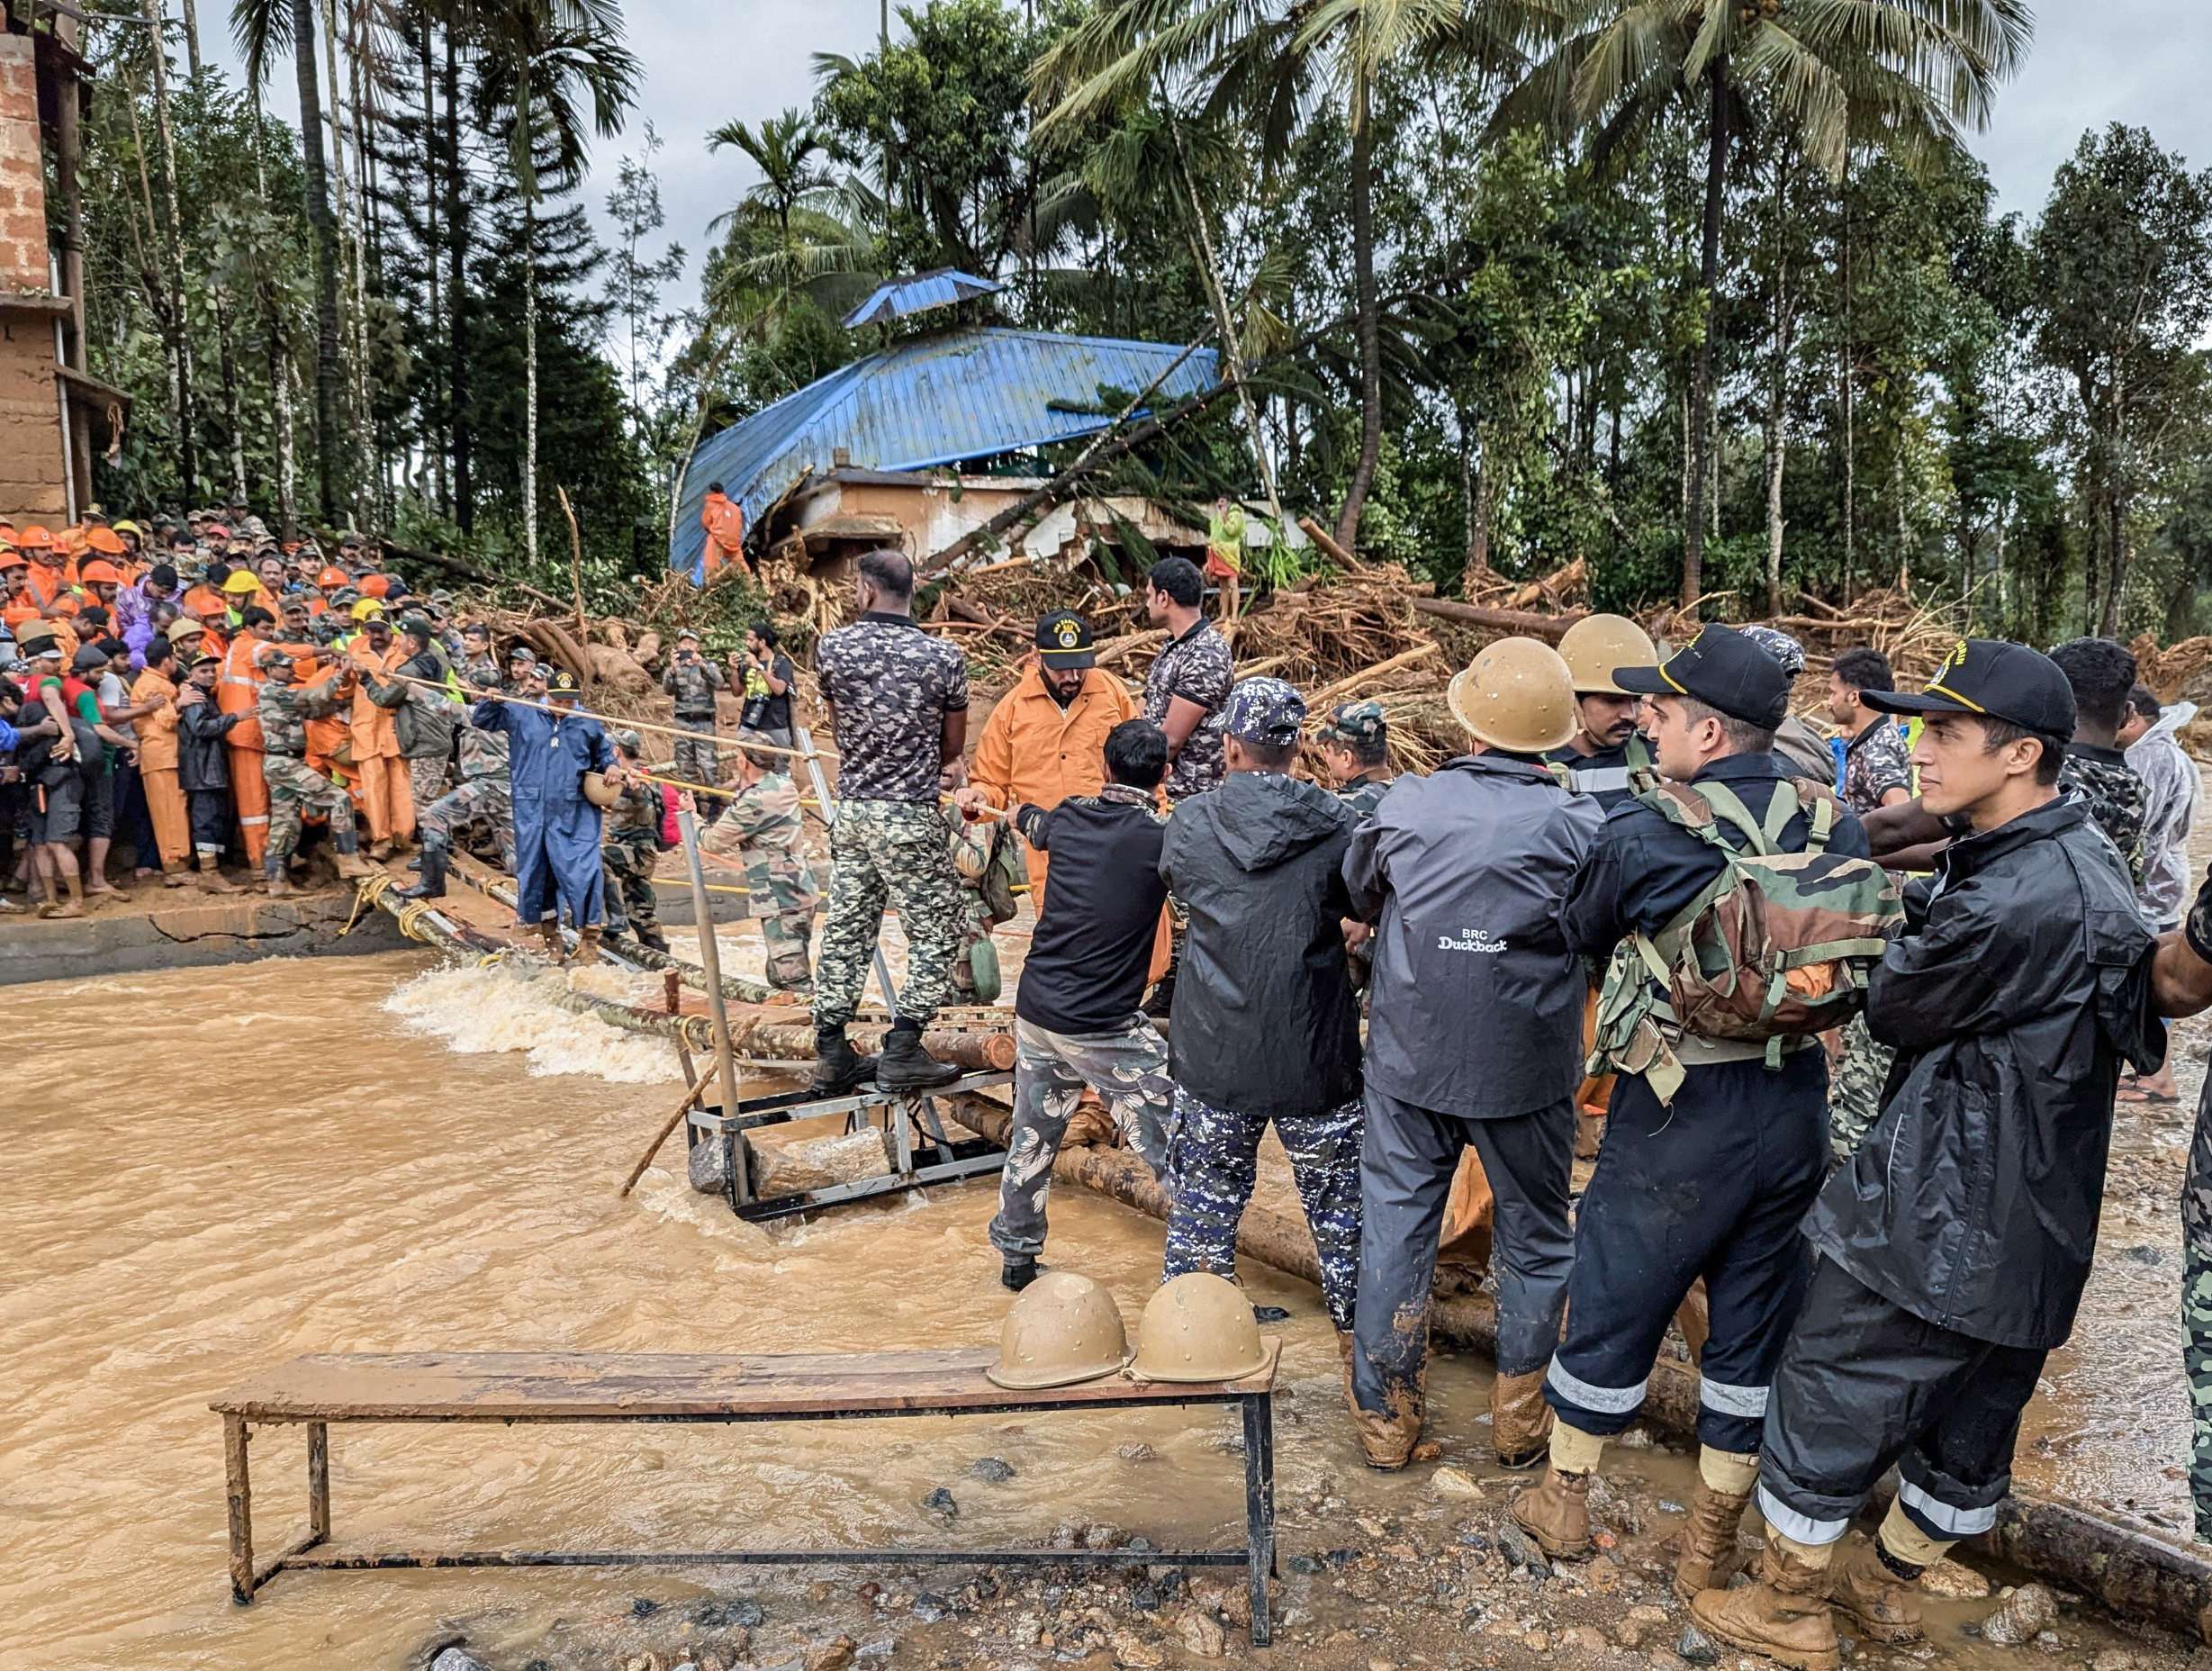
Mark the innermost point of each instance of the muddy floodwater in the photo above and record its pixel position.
(211, 1171)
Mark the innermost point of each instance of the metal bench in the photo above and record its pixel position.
(508, 1387)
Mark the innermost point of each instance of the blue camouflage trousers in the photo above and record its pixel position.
(2196, 1308)
(1213, 1163)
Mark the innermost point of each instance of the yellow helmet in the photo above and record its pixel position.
(1060, 1329)
(368, 609)
(1198, 1327)
(1597, 644)
(241, 581)
(1516, 695)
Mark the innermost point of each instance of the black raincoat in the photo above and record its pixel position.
(2021, 981)
(1264, 1021)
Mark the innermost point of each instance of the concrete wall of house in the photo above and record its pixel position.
(934, 517)
(33, 465)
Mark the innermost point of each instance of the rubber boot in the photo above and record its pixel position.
(1018, 1271)
(1885, 1604)
(273, 871)
(838, 1068)
(1785, 1615)
(1705, 1548)
(587, 944)
(1556, 1513)
(347, 844)
(211, 877)
(431, 884)
(1520, 1419)
(905, 1066)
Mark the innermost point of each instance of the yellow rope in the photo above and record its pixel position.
(582, 712)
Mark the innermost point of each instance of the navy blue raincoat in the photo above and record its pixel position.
(556, 829)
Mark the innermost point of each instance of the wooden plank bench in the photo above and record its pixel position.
(323, 1389)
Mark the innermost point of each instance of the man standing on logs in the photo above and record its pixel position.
(897, 700)
(693, 680)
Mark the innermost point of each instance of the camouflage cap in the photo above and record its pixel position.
(627, 741)
(1354, 722)
(1267, 711)
(1779, 644)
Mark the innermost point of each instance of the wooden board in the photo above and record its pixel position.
(610, 1386)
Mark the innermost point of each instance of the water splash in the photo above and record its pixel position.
(503, 1010)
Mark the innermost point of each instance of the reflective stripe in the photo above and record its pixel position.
(1605, 1400)
(1747, 1401)
(1596, 780)
(264, 818)
(1799, 1528)
(1953, 1523)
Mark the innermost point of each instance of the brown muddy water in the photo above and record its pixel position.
(213, 1171)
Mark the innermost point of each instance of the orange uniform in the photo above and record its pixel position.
(383, 794)
(237, 691)
(1034, 750)
(164, 798)
(725, 522)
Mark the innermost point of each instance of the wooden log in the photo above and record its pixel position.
(790, 1041)
(1327, 694)
(1550, 628)
(1327, 541)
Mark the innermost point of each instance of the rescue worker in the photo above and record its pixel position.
(1046, 739)
(1605, 746)
(630, 846)
(242, 588)
(725, 522)
(237, 691)
(693, 680)
(425, 712)
(379, 771)
(762, 831)
(480, 664)
(898, 699)
(556, 828)
(2172, 788)
(1952, 1256)
(155, 690)
(1354, 747)
(1265, 1024)
(1474, 1039)
(1188, 684)
(1713, 1178)
(202, 763)
(485, 796)
(1076, 1024)
(295, 789)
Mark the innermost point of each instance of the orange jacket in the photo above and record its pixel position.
(156, 731)
(205, 601)
(238, 689)
(725, 522)
(1033, 750)
(375, 730)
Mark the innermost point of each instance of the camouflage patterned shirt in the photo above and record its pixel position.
(1875, 764)
(482, 753)
(762, 828)
(2103, 781)
(891, 685)
(1363, 795)
(285, 710)
(693, 684)
(1197, 668)
(638, 809)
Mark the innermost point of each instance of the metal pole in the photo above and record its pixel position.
(829, 815)
(710, 959)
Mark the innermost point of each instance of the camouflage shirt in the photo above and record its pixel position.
(1875, 764)
(477, 670)
(891, 685)
(638, 811)
(2103, 781)
(482, 753)
(1196, 667)
(285, 710)
(1363, 795)
(693, 685)
(762, 829)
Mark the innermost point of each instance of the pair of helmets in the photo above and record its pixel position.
(1063, 1329)
(1519, 695)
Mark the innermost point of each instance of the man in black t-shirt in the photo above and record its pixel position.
(1076, 1021)
(765, 675)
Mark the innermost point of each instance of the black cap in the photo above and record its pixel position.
(562, 684)
(1998, 681)
(1064, 641)
(1722, 669)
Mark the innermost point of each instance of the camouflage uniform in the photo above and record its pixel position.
(973, 922)
(762, 829)
(294, 789)
(2103, 781)
(698, 760)
(1213, 1156)
(1197, 668)
(1875, 763)
(628, 855)
(485, 794)
(2197, 1258)
(1129, 1070)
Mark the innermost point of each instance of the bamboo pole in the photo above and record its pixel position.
(689, 1097)
(579, 712)
(710, 958)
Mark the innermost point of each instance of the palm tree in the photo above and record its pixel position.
(784, 151)
(542, 62)
(1904, 74)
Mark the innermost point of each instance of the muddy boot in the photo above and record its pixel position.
(838, 1068)
(905, 1066)
(175, 874)
(380, 849)
(549, 936)
(1784, 1615)
(1520, 1419)
(431, 883)
(1018, 1271)
(272, 869)
(1873, 1596)
(346, 846)
(1556, 1513)
(654, 939)
(1705, 1549)
(211, 877)
(587, 944)
(1387, 1441)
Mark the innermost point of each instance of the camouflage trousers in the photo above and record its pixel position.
(699, 761)
(2197, 1309)
(426, 781)
(1212, 1165)
(784, 938)
(627, 859)
(887, 852)
(1855, 1089)
(487, 801)
(972, 932)
(1127, 1067)
(294, 792)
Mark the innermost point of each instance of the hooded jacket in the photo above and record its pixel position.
(1264, 1019)
(2020, 981)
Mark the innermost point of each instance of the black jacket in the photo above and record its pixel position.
(1093, 947)
(2020, 981)
(200, 728)
(1264, 1019)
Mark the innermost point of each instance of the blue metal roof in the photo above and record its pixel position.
(902, 296)
(927, 401)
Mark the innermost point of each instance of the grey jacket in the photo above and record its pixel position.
(1477, 1003)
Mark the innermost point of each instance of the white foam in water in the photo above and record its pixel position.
(499, 1010)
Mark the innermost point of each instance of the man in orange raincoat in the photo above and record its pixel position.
(725, 522)
(383, 794)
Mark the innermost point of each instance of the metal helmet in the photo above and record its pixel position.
(1198, 1327)
(1516, 695)
(599, 791)
(1596, 644)
(1060, 1329)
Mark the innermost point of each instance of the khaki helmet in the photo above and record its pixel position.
(599, 791)
(1198, 1327)
(1597, 644)
(1516, 695)
(1060, 1329)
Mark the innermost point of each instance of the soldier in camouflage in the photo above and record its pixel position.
(972, 847)
(1354, 745)
(295, 789)
(2095, 770)
(480, 664)
(630, 846)
(693, 680)
(762, 831)
(2182, 980)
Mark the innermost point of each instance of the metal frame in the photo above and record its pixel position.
(1257, 1557)
(915, 1128)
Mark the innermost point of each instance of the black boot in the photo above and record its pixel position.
(432, 886)
(838, 1068)
(905, 1066)
(1019, 1271)
(655, 938)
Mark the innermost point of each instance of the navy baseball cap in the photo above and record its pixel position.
(1064, 641)
(1995, 680)
(1267, 711)
(1724, 670)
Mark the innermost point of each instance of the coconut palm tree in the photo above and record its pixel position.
(784, 150)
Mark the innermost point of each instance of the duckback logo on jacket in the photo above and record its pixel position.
(1475, 940)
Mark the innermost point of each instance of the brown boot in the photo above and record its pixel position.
(1705, 1549)
(587, 944)
(211, 877)
(175, 874)
(1556, 1513)
(380, 849)
(549, 932)
(1881, 1604)
(1520, 1419)
(1785, 1616)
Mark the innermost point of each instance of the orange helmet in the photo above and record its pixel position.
(106, 541)
(35, 539)
(99, 569)
(376, 586)
(331, 580)
(11, 558)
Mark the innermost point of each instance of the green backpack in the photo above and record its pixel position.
(1774, 948)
